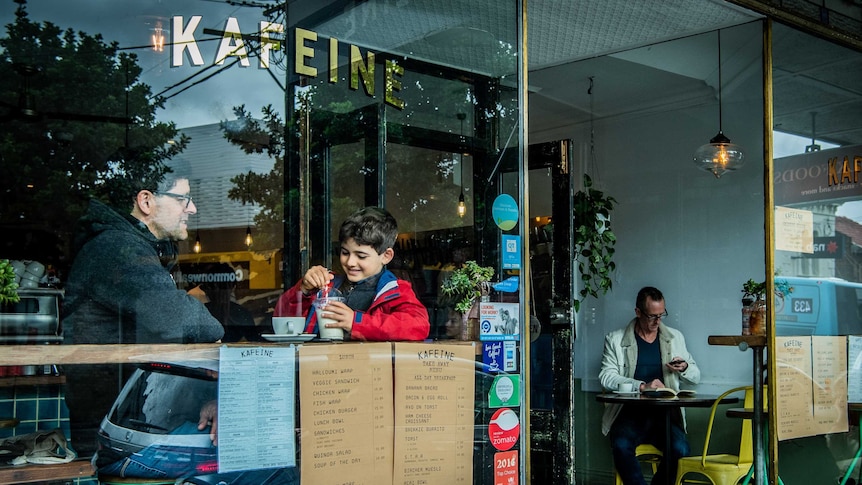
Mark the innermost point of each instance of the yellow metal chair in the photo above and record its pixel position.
(721, 469)
(646, 454)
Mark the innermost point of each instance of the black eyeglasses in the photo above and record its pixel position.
(653, 318)
(179, 197)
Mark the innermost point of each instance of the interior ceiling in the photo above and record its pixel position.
(622, 45)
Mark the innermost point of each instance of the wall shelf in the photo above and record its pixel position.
(43, 380)
(736, 340)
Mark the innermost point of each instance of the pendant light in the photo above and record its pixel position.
(462, 206)
(248, 239)
(719, 155)
(197, 247)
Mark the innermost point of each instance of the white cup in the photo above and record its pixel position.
(625, 387)
(288, 325)
(326, 332)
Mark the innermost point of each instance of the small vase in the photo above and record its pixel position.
(469, 328)
(757, 320)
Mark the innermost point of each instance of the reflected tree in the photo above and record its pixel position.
(75, 123)
(266, 136)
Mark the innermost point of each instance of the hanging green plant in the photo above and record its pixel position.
(594, 241)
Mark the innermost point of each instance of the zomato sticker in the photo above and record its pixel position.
(504, 429)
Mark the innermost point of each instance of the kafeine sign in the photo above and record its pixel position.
(234, 45)
(833, 175)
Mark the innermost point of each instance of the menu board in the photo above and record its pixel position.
(256, 395)
(812, 385)
(794, 230)
(434, 394)
(346, 416)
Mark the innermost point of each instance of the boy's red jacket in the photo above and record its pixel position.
(394, 314)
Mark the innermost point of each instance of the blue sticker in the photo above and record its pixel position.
(492, 356)
(509, 285)
(511, 256)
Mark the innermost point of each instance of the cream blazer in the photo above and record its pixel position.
(620, 357)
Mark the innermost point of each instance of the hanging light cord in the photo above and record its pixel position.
(594, 167)
(720, 126)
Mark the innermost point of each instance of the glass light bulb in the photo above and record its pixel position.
(719, 156)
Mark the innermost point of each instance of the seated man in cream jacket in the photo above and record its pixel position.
(650, 355)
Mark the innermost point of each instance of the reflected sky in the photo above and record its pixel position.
(196, 95)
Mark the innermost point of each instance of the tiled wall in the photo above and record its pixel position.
(38, 408)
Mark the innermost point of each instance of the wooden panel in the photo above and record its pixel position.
(31, 380)
(36, 473)
(104, 354)
(127, 353)
(735, 340)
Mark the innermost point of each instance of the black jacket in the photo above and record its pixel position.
(120, 289)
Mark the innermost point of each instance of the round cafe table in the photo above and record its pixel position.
(637, 399)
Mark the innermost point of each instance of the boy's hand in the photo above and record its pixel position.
(341, 313)
(315, 278)
(209, 417)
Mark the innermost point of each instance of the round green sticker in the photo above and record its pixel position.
(505, 212)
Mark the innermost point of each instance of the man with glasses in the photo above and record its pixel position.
(120, 290)
(649, 355)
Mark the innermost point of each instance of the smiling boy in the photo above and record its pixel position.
(378, 305)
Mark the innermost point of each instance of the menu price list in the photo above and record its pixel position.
(812, 385)
(256, 385)
(434, 392)
(347, 414)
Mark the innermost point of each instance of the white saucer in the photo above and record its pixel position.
(303, 337)
(630, 393)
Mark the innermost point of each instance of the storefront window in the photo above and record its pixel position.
(695, 237)
(817, 316)
(225, 144)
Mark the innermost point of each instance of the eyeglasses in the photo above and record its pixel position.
(179, 197)
(653, 318)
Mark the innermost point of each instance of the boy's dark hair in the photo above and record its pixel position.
(370, 226)
(648, 292)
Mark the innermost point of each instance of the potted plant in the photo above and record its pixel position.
(594, 241)
(8, 285)
(754, 304)
(753, 291)
(465, 286)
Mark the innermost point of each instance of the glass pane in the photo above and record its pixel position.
(818, 132)
(270, 123)
(682, 230)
